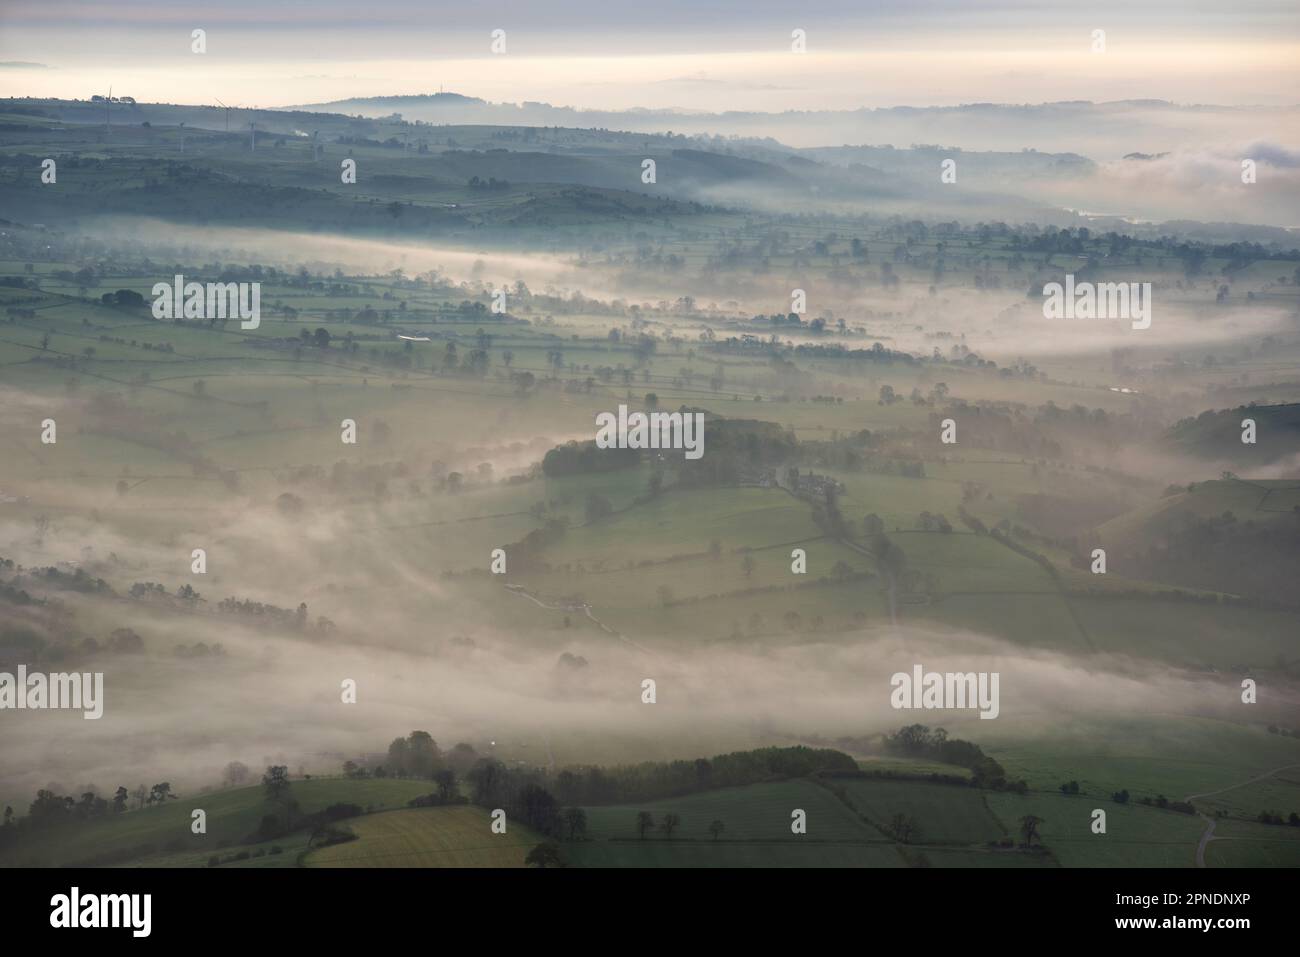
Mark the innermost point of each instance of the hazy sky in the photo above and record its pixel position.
(666, 53)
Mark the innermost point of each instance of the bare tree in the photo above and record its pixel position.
(1029, 828)
(644, 822)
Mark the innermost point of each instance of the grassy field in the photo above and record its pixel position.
(986, 857)
(1145, 754)
(1036, 619)
(759, 812)
(685, 522)
(1226, 638)
(1261, 500)
(1277, 794)
(281, 853)
(727, 854)
(232, 817)
(945, 814)
(1135, 836)
(1246, 844)
(909, 766)
(427, 837)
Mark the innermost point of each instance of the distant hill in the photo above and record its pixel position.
(1095, 130)
(1217, 436)
(1230, 535)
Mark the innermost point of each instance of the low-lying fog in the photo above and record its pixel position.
(277, 699)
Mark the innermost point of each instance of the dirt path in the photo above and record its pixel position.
(893, 600)
(1210, 822)
(516, 590)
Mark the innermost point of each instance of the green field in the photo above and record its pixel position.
(1135, 836)
(945, 814)
(232, 819)
(726, 854)
(427, 837)
(1247, 844)
(759, 812)
(1142, 753)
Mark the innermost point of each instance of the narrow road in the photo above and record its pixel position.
(587, 611)
(893, 603)
(1208, 836)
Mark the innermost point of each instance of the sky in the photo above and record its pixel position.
(681, 54)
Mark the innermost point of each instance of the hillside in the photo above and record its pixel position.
(1217, 435)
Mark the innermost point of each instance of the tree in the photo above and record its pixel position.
(462, 757)
(669, 822)
(644, 822)
(397, 756)
(422, 755)
(141, 794)
(889, 558)
(546, 854)
(445, 778)
(276, 781)
(486, 778)
(159, 793)
(1029, 828)
(747, 564)
(120, 797)
(277, 788)
(538, 808)
(716, 828)
(235, 774)
(575, 822)
(905, 829)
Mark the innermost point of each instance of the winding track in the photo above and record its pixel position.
(1208, 836)
(587, 611)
